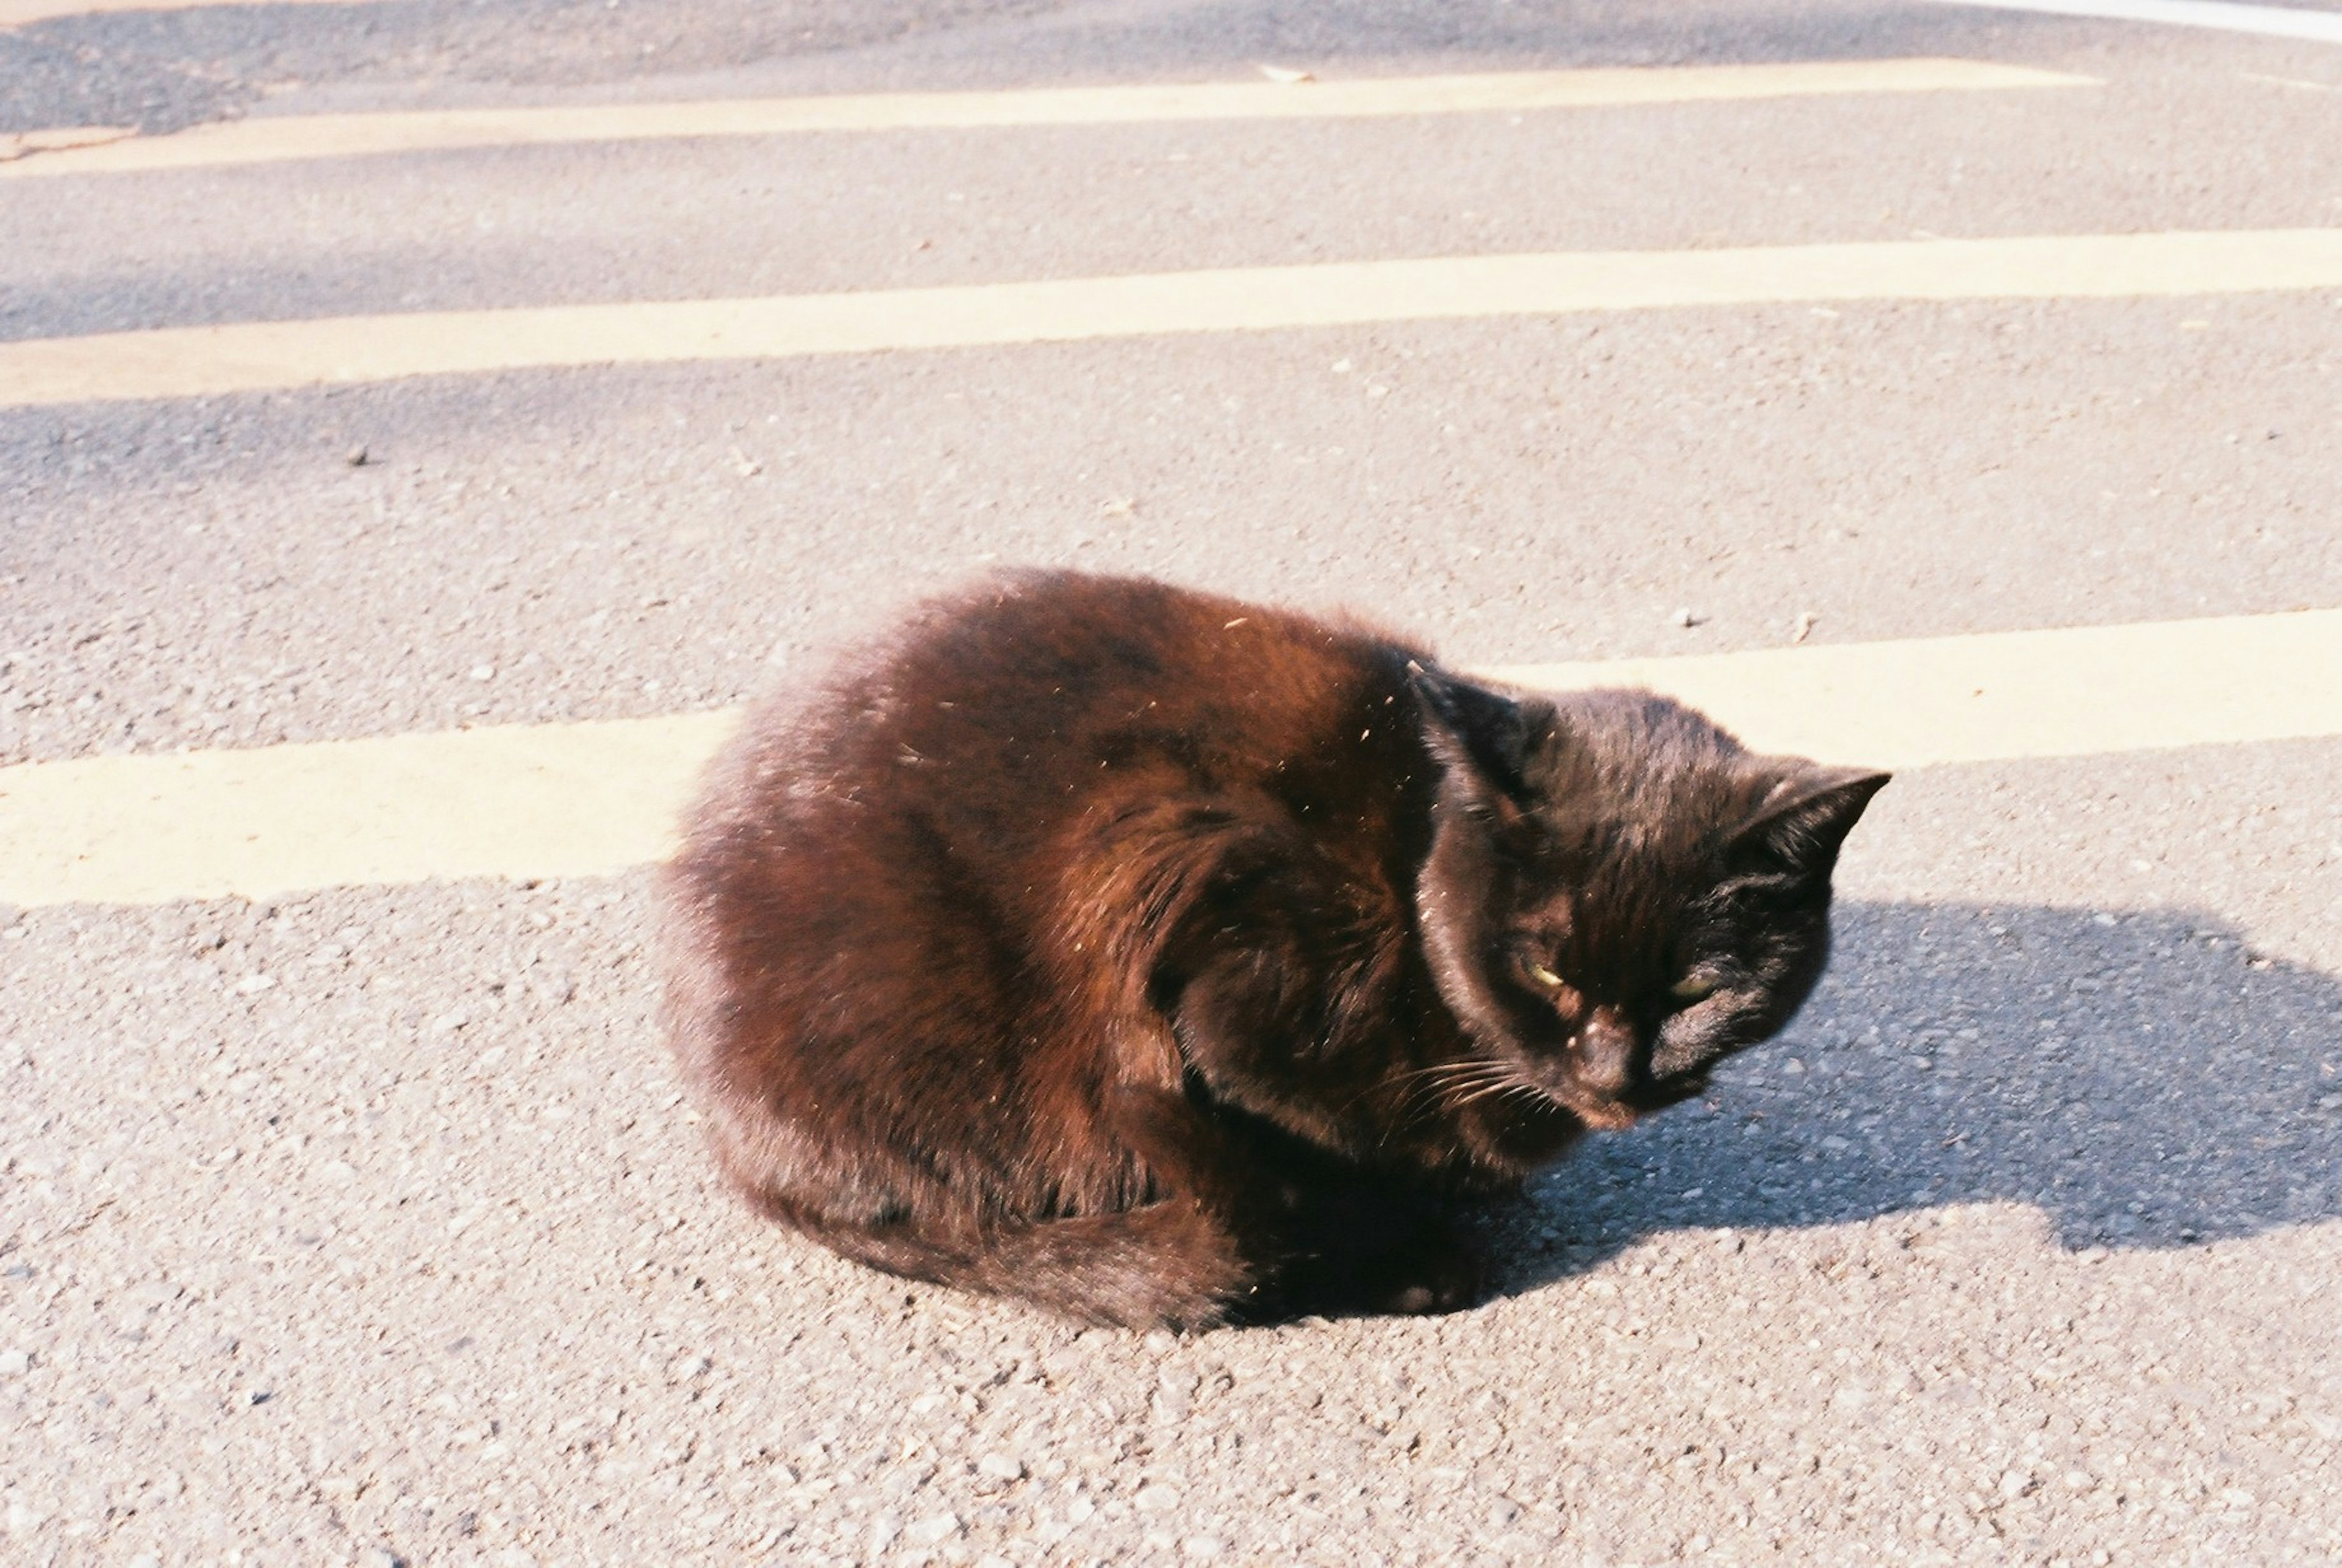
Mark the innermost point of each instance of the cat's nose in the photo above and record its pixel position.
(1606, 1051)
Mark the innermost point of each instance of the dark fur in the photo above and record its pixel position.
(1166, 959)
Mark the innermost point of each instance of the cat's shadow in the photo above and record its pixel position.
(2145, 1080)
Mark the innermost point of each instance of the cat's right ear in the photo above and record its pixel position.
(1806, 815)
(1479, 737)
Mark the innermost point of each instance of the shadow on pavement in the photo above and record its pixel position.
(2145, 1080)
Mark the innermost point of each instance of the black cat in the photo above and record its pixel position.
(1167, 959)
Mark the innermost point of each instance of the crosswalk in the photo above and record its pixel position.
(594, 798)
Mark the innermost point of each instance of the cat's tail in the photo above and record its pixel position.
(1167, 1264)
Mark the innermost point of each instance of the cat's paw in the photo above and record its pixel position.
(1436, 1275)
(1377, 1249)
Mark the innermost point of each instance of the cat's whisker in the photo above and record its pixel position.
(1421, 1095)
(1494, 1088)
(1462, 1076)
(1442, 1071)
(1426, 1091)
(1437, 1069)
(1503, 1084)
(1531, 1092)
(1416, 1081)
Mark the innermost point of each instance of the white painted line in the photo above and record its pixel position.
(2270, 21)
(284, 138)
(204, 361)
(596, 799)
(514, 801)
(2009, 694)
(18, 12)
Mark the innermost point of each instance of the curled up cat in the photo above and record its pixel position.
(1165, 959)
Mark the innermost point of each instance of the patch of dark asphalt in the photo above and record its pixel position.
(165, 70)
(162, 71)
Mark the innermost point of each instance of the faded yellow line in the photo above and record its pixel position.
(2006, 695)
(269, 139)
(517, 801)
(596, 799)
(18, 12)
(200, 361)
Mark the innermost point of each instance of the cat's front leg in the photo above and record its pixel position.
(1290, 1151)
(1373, 1245)
(1193, 1158)
(1316, 1233)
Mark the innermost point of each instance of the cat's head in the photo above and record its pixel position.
(1618, 895)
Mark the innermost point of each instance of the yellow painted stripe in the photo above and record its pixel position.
(2006, 695)
(18, 12)
(517, 801)
(284, 138)
(199, 361)
(595, 799)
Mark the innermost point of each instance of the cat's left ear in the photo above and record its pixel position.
(1804, 818)
(1478, 734)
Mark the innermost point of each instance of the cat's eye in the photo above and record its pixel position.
(1544, 976)
(1692, 988)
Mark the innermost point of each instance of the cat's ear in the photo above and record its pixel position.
(1479, 737)
(1806, 816)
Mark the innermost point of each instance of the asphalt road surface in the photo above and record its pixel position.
(351, 1213)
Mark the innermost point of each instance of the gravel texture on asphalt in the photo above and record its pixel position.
(375, 1220)
(678, 537)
